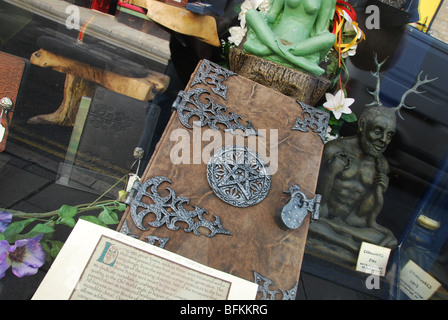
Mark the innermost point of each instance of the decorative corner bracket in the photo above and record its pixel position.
(292, 214)
(312, 118)
(210, 73)
(268, 294)
(168, 210)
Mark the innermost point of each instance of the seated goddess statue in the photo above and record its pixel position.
(352, 181)
(294, 33)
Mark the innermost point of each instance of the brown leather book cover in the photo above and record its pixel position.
(223, 215)
(12, 70)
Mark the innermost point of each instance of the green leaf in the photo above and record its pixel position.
(333, 68)
(2, 237)
(56, 246)
(42, 228)
(349, 117)
(68, 221)
(37, 230)
(94, 220)
(46, 248)
(108, 216)
(12, 231)
(333, 121)
(67, 211)
(121, 206)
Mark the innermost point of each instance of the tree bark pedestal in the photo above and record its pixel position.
(291, 82)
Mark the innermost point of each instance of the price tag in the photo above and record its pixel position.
(416, 283)
(372, 259)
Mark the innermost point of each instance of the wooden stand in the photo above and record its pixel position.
(82, 79)
(291, 82)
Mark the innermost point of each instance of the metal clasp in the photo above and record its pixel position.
(292, 214)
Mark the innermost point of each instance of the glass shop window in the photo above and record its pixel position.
(117, 36)
(59, 38)
(415, 208)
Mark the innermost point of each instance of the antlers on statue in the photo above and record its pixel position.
(376, 93)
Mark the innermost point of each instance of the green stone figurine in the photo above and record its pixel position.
(294, 33)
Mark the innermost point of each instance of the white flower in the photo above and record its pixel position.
(350, 53)
(338, 104)
(236, 35)
(264, 6)
(251, 4)
(329, 137)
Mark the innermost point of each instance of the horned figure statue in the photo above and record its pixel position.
(354, 176)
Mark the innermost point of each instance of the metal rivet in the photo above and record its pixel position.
(6, 104)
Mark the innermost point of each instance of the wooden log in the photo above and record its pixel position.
(181, 20)
(74, 89)
(82, 80)
(291, 82)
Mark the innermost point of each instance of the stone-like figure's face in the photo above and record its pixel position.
(377, 135)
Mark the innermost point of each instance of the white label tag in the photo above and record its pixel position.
(372, 259)
(132, 178)
(416, 283)
(2, 132)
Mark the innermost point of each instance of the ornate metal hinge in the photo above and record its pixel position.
(292, 214)
(168, 210)
(268, 294)
(314, 119)
(191, 104)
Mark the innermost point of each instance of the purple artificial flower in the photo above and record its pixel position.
(25, 257)
(5, 220)
(4, 246)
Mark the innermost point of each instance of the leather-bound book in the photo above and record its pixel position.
(221, 173)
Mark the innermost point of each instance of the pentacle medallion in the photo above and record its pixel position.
(238, 176)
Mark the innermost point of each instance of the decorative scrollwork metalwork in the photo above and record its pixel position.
(125, 230)
(268, 294)
(189, 104)
(168, 210)
(212, 73)
(312, 118)
(238, 176)
(153, 239)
